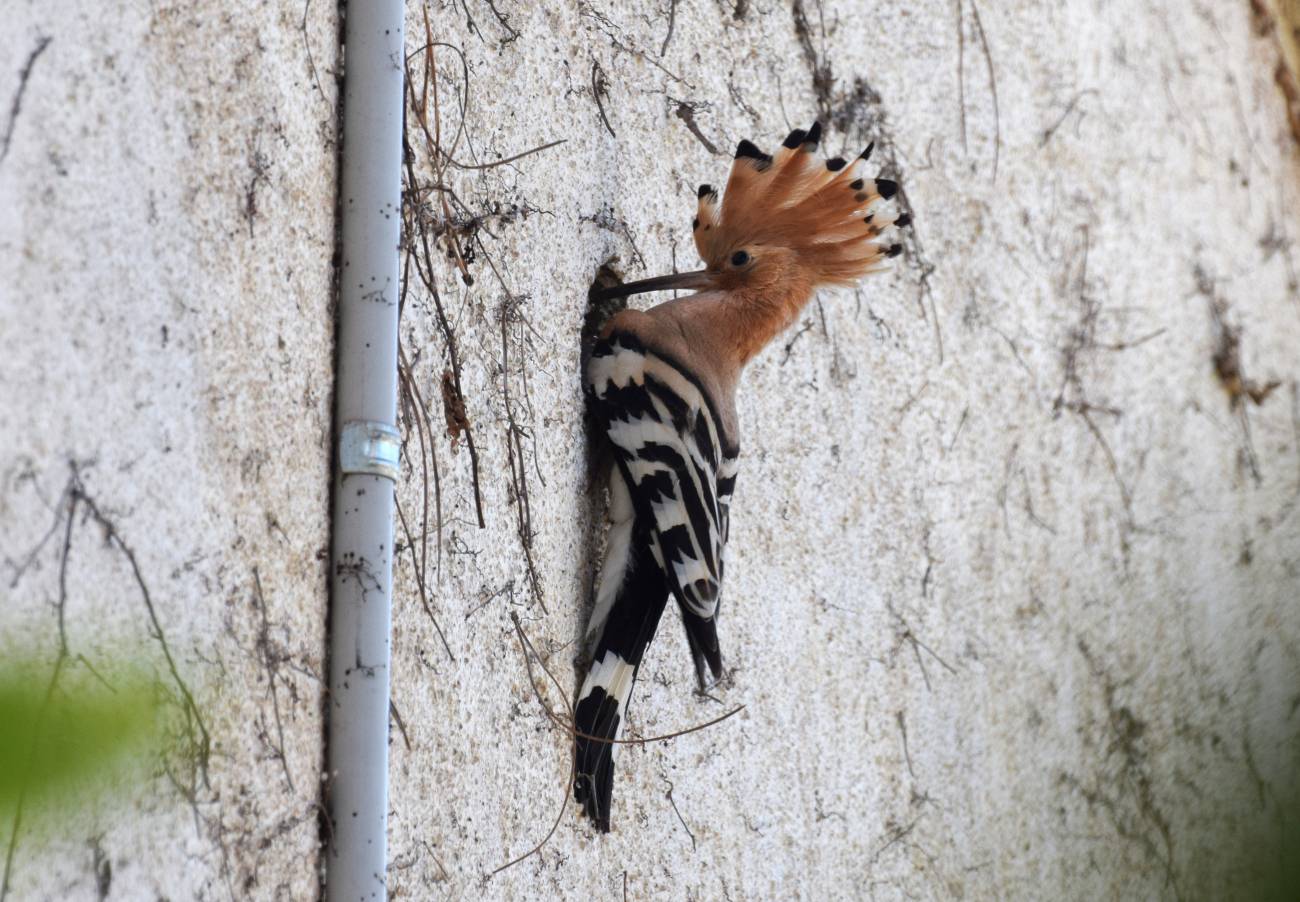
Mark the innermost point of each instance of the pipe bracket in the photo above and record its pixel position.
(366, 446)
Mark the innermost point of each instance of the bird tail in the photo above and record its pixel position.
(702, 634)
(630, 600)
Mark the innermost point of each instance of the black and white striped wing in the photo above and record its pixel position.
(677, 466)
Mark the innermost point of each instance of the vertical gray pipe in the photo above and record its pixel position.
(366, 393)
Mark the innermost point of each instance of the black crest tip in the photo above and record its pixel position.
(794, 139)
(695, 223)
(903, 220)
(866, 154)
(747, 148)
(835, 164)
(886, 188)
(704, 190)
(814, 134)
(894, 250)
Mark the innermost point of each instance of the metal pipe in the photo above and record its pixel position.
(366, 471)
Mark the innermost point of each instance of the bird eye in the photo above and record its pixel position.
(739, 258)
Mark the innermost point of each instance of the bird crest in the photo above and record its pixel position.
(784, 226)
(820, 210)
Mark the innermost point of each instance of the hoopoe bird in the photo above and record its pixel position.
(661, 384)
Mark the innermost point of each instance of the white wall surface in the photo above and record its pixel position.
(1012, 585)
(166, 230)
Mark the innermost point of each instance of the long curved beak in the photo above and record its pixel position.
(699, 279)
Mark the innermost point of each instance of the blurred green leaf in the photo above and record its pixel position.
(67, 730)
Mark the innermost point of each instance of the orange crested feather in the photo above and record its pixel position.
(824, 211)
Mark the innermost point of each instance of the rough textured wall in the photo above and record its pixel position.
(166, 226)
(1011, 594)
(1014, 566)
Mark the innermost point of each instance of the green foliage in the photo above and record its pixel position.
(68, 731)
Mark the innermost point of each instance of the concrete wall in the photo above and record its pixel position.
(1012, 585)
(165, 239)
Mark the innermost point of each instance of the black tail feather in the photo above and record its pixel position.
(593, 785)
(702, 634)
(598, 716)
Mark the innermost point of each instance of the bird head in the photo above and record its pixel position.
(786, 224)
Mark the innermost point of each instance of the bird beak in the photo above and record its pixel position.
(700, 279)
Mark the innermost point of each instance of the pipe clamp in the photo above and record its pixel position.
(366, 446)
